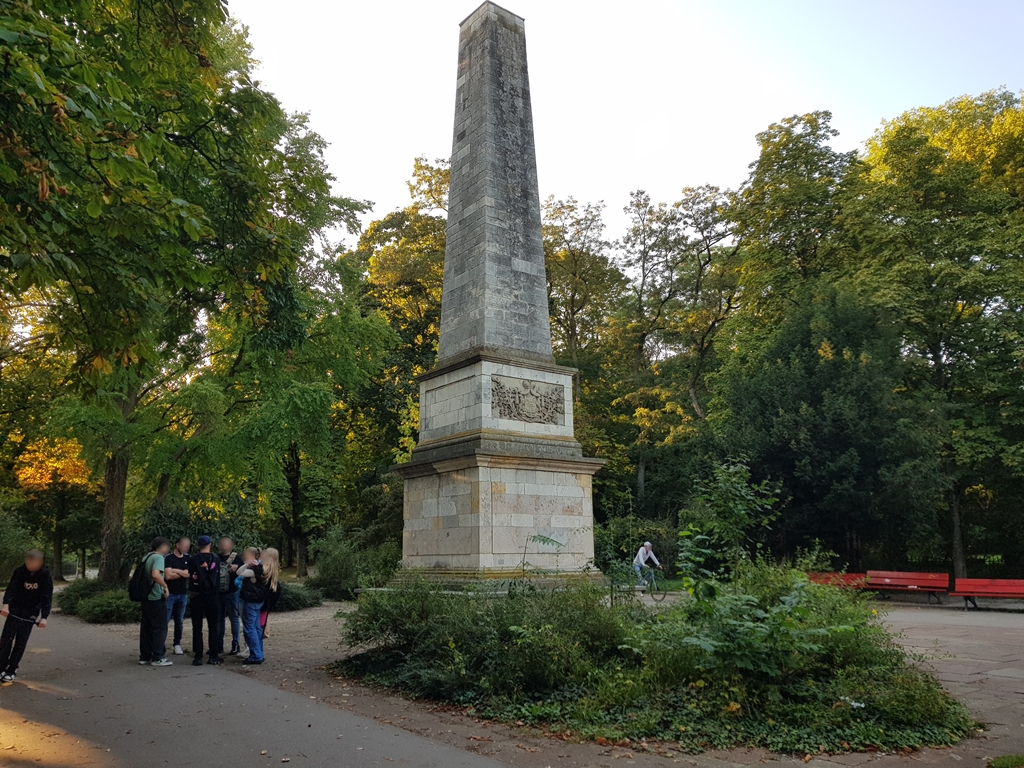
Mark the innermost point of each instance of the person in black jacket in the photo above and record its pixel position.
(204, 581)
(26, 604)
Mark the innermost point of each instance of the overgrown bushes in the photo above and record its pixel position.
(342, 566)
(766, 659)
(111, 606)
(69, 598)
(295, 597)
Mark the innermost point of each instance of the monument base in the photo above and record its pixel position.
(486, 516)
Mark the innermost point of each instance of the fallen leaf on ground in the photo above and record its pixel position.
(479, 738)
(527, 749)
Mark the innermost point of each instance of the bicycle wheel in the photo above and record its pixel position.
(657, 591)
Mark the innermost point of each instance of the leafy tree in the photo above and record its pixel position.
(939, 215)
(583, 283)
(815, 405)
(60, 496)
(785, 213)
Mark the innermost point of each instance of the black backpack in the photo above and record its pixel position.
(206, 581)
(141, 582)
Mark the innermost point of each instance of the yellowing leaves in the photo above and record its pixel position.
(100, 364)
(49, 461)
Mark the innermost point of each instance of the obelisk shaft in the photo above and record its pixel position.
(495, 298)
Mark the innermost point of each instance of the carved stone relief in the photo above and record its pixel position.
(525, 400)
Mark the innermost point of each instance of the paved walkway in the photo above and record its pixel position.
(84, 701)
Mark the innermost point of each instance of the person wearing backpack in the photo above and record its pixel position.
(204, 584)
(230, 561)
(153, 628)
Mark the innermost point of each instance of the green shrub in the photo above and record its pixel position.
(765, 659)
(1008, 761)
(342, 566)
(466, 647)
(68, 599)
(295, 597)
(111, 606)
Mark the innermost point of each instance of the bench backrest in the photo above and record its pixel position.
(838, 579)
(908, 580)
(991, 586)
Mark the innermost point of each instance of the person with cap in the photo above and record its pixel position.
(204, 585)
(26, 604)
(176, 576)
(640, 562)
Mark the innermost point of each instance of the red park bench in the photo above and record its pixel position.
(934, 584)
(969, 589)
(844, 580)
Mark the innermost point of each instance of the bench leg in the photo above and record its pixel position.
(972, 601)
(937, 598)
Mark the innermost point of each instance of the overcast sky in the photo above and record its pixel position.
(644, 94)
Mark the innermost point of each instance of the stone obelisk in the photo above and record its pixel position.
(497, 477)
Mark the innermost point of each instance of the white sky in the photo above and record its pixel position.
(646, 94)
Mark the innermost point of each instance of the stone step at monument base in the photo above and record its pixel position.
(494, 582)
(487, 514)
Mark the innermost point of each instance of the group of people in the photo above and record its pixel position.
(220, 587)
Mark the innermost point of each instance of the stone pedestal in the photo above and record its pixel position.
(497, 477)
(497, 481)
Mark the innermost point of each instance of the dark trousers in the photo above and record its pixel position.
(206, 607)
(228, 612)
(153, 632)
(13, 641)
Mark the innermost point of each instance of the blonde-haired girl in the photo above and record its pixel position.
(271, 573)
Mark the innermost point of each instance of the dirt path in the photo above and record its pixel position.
(301, 643)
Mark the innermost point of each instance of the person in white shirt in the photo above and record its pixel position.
(640, 561)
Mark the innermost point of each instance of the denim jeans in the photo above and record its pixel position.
(253, 631)
(176, 609)
(640, 582)
(229, 611)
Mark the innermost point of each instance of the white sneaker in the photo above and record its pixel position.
(143, 663)
(178, 651)
(161, 663)
(10, 677)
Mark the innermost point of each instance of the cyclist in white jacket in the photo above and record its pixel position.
(640, 561)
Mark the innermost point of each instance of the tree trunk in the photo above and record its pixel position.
(695, 402)
(58, 552)
(301, 558)
(163, 485)
(958, 551)
(81, 564)
(115, 481)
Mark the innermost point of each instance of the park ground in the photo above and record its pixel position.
(82, 701)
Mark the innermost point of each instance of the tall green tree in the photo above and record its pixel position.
(940, 233)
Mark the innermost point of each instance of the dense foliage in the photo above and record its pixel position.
(186, 344)
(767, 659)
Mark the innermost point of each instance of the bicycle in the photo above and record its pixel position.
(656, 591)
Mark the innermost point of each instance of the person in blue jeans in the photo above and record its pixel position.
(176, 575)
(252, 594)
